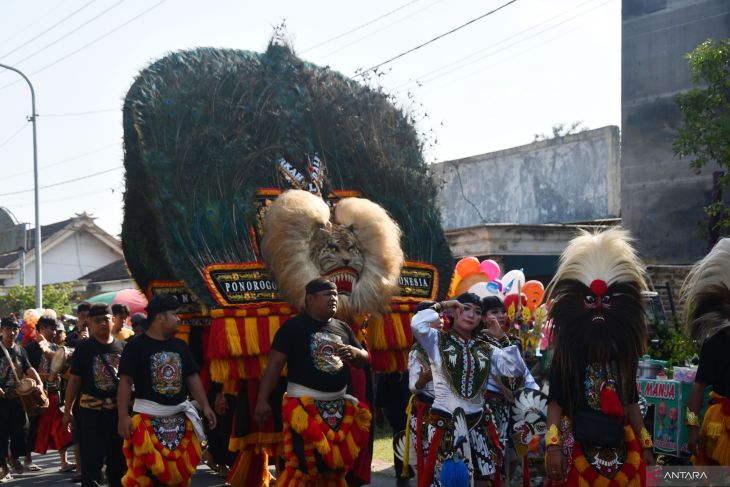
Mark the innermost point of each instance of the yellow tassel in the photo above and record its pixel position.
(241, 368)
(400, 337)
(299, 419)
(274, 324)
(219, 370)
(621, 478)
(376, 334)
(252, 336)
(363, 418)
(352, 446)
(323, 446)
(234, 340)
(337, 458)
(407, 447)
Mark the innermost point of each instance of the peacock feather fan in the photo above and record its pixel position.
(205, 128)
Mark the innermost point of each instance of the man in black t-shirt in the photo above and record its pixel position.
(163, 373)
(12, 417)
(94, 376)
(706, 294)
(316, 348)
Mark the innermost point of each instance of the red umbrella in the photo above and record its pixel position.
(133, 298)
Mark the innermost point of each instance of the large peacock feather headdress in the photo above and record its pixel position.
(205, 129)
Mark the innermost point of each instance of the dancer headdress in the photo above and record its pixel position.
(706, 293)
(598, 308)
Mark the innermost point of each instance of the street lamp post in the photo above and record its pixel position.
(38, 250)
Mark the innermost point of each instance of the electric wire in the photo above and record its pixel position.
(359, 27)
(66, 198)
(69, 33)
(107, 34)
(15, 134)
(48, 29)
(385, 27)
(424, 79)
(430, 41)
(63, 161)
(78, 114)
(32, 23)
(60, 183)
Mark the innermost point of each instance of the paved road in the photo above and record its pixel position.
(203, 478)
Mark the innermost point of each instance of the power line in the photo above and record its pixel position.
(423, 79)
(339, 36)
(362, 73)
(15, 134)
(49, 29)
(63, 161)
(675, 26)
(359, 39)
(63, 182)
(67, 34)
(528, 49)
(66, 198)
(107, 34)
(78, 114)
(32, 23)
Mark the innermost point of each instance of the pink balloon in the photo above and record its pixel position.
(490, 268)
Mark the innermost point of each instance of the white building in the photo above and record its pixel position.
(71, 249)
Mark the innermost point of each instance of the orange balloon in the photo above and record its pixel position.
(535, 291)
(469, 281)
(466, 266)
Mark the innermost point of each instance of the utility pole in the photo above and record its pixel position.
(38, 249)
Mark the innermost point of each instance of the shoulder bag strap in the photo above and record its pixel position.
(107, 366)
(12, 364)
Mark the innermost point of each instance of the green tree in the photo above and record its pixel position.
(561, 130)
(704, 132)
(55, 296)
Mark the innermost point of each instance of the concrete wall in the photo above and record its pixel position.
(568, 179)
(661, 198)
(70, 259)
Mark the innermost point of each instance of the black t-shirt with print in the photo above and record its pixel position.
(39, 361)
(7, 378)
(96, 378)
(158, 368)
(715, 363)
(309, 348)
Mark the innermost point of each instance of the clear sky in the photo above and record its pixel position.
(491, 85)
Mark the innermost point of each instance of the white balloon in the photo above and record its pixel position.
(512, 281)
(481, 289)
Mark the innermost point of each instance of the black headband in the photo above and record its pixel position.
(318, 285)
(160, 304)
(99, 309)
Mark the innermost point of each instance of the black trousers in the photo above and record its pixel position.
(218, 437)
(100, 444)
(392, 394)
(12, 421)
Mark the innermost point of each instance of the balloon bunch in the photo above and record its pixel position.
(526, 313)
